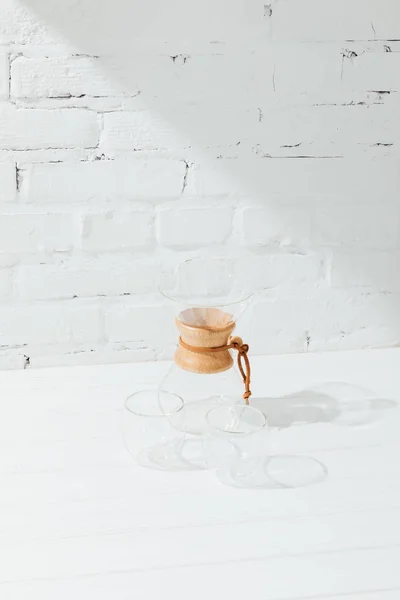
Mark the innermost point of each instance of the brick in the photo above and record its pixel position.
(59, 77)
(8, 260)
(301, 69)
(327, 130)
(153, 325)
(20, 25)
(89, 353)
(374, 225)
(138, 130)
(5, 283)
(210, 76)
(352, 176)
(49, 325)
(215, 177)
(277, 270)
(8, 182)
(285, 226)
(4, 76)
(24, 129)
(118, 230)
(200, 125)
(26, 158)
(332, 69)
(370, 336)
(242, 18)
(140, 178)
(377, 271)
(194, 227)
(12, 360)
(35, 232)
(352, 311)
(285, 320)
(317, 317)
(373, 71)
(354, 316)
(98, 277)
(322, 20)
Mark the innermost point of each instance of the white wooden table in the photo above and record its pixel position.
(79, 521)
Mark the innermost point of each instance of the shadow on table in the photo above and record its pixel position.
(332, 402)
(285, 471)
(338, 403)
(275, 472)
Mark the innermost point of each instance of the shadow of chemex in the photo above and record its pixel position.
(331, 402)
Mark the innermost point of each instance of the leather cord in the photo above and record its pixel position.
(235, 343)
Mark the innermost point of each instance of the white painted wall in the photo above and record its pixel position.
(134, 134)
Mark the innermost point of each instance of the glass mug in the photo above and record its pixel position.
(236, 444)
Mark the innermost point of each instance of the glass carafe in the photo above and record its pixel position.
(210, 294)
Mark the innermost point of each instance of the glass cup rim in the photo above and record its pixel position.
(152, 416)
(242, 407)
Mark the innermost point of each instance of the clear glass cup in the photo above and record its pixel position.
(236, 445)
(151, 429)
(154, 432)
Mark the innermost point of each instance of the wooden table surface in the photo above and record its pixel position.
(80, 521)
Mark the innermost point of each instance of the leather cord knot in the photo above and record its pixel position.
(236, 343)
(243, 362)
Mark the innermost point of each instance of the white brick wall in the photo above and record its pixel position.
(31, 232)
(138, 178)
(373, 71)
(22, 129)
(340, 20)
(369, 270)
(139, 130)
(259, 177)
(195, 227)
(149, 130)
(4, 75)
(19, 25)
(5, 283)
(118, 275)
(134, 139)
(361, 225)
(115, 230)
(60, 324)
(124, 323)
(276, 226)
(59, 77)
(328, 130)
(8, 182)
